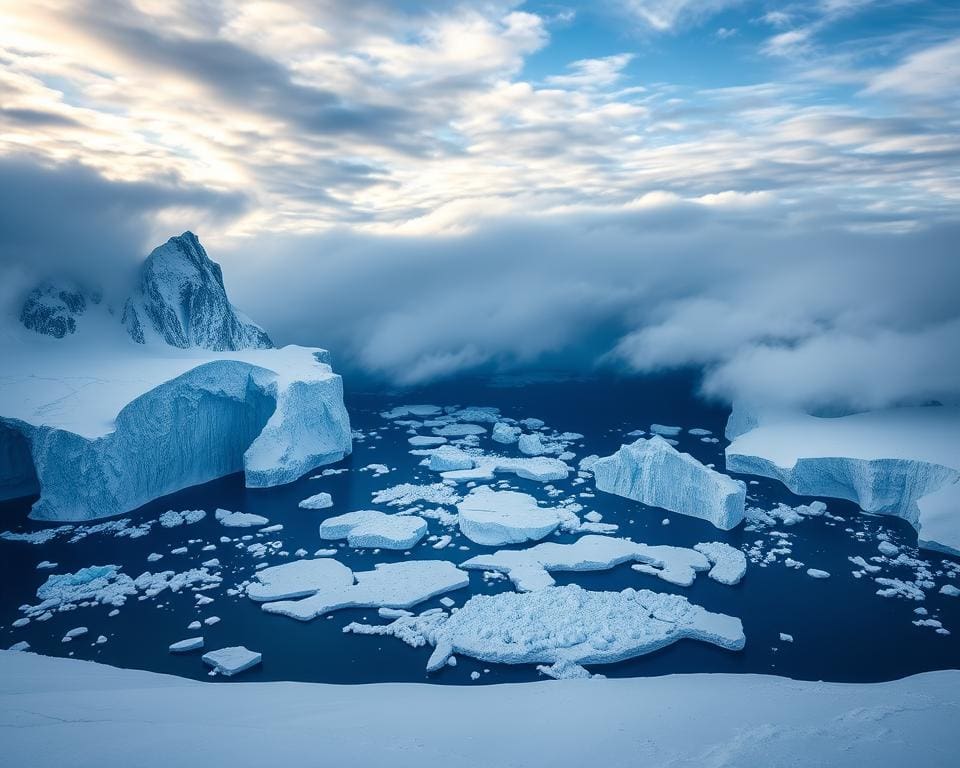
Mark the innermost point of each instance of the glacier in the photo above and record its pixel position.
(653, 472)
(99, 424)
(899, 461)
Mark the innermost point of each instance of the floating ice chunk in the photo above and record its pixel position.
(233, 660)
(405, 494)
(888, 549)
(389, 585)
(538, 468)
(495, 518)
(447, 457)
(300, 578)
(239, 519)
(482, 414)
(317, 501)
(411, 410)
(153, 557)
(21, 622)
(376, 469)
(447, 602)
(532, 423)
(530, 444)
(699, 432)
(528, 568)
(949, 590)
(426, 441)
(46, 565)
(211, 620)
(666, 431)
(76, 632)
(459, 430)
(23, 645)
(371, 528)
(190, 644)
(194, 625)
(272, 528)
(785, 638)
(729, 563)
(587, 462)
(172, 518)
(654, 473)
(505, 433)
(816, 573)
(570, 625)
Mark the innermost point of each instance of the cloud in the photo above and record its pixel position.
(933, 72)
(666, 15)
(593, 73)
(68, 221)
(802, 315)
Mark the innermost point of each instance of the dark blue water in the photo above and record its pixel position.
(842, 630)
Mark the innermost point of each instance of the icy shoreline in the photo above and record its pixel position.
(55, 709)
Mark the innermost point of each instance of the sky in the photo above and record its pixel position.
(766, 191)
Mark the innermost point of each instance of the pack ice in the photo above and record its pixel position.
(653, 472)
(899, 461)
(100, 412)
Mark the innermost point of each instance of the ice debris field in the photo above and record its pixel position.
(508, 541)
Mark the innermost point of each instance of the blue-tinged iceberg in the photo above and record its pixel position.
(98, 421)
(655, 473)
(898, 461)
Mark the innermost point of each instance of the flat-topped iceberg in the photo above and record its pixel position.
(300, 578)
(900, 461)
(389, 585)
(529, 569)
(537, 468)
(233, 660)
(98, 423)
(495, 518)
(655, 473)
(729, 564)
(371, 528)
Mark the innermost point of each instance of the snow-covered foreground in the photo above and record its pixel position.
(901, 461)
(57, 712)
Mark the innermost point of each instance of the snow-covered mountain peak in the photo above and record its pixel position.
(179, 299)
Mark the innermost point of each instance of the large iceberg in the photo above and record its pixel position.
(98, 425)
(655, 473)
(900, 461)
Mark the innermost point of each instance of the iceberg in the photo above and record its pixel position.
(370, 528)
(389, 585)
(317, 501)
(899, 461)
(528, 569)
(185, 646)
(654, 473)
(99, 424)
(233, 660)
(239, 519)
(729, 564)
(495, 518)
(537, 468)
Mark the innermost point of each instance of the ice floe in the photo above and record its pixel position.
(565, 627)
(389, 585)
(495, 518)
(233, 660)
(185, 646)
(372, 528)
(317, 501)
(729, 565)
(239, 519)
(529, 568)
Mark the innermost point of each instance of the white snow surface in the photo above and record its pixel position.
(100, 425)
(742, 721)
(729, 564)
(899, 461)
(529, 568)
(654, 473)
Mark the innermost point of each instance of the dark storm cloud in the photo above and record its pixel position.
(67, 220)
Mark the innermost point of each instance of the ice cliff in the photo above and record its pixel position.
(655, 473)
(98, 424)
(900, 461)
